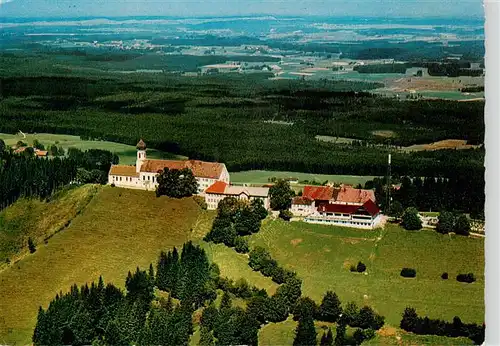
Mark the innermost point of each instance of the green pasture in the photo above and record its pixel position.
(119, 230)
(321, 255)
(261, 177)
(126, 153)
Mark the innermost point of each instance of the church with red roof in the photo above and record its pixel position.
(144, 174)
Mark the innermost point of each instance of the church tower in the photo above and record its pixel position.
(141, 155)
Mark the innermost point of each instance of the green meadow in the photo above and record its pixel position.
(126, 153)
(322, 255)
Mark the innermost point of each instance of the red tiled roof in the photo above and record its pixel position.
(321, 193)
(41, 153)
(201, 169)
(302, 200)
(20, 150)
(350, 195)
(369, 206)
(123, 170)
(218, 187)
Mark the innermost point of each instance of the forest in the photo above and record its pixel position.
(381, 68)
(460, 193)
(105, 315)
(28, 176)
(232, 111)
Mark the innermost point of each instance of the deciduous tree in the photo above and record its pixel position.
(281, 195)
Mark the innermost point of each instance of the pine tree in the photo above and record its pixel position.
(226, 301)
(206, 337)
(350, 314)
(327, 338)
(305, 334)
(39, 334)
(410, 320)
(330, 308)
(151, 275)
(340, 338)
(209, 316)
(173, 272)
(305, 306)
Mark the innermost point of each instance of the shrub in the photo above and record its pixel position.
(31, 245)
(113, 185)
(367, 318)
(469, 278)
(446, 222)
(361, 267)
(369, 333)
(353, 268)
(462, 225)
(411, 220)
(285, 215)
(241, 245)
(444, 276)
(408, 272)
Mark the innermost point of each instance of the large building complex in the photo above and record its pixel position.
(342, 206)
(144, 174)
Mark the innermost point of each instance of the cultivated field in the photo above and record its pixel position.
(126, 153)
(445, 144)
(321, 255)
(261, 177)
(119, 230)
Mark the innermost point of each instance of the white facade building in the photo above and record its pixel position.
(144, 174)
(220, 190)
(344, 206)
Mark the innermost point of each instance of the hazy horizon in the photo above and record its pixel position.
(390, 9)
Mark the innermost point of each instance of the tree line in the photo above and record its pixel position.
(236, 219)
(411, 322)
(460, 193)
(381, 68)
(29, 176)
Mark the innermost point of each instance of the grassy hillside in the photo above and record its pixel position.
(321, 255)
(39, 220)
(119, 230)
(126, 153)
(235, 266)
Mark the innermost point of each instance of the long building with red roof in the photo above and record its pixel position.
(220, 190)
(144, 174)
(342, 206)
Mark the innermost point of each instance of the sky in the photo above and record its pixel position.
(354, 8)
